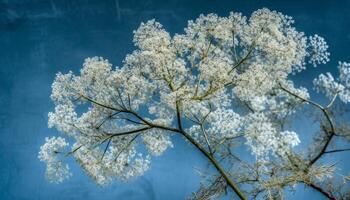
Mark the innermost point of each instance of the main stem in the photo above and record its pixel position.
(216, 165)
(209, 156)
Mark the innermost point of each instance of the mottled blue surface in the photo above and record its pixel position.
(39, 38)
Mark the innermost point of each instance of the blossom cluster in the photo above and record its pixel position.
(264, 139)
(318, 50)
(56, 170)
(327, 84)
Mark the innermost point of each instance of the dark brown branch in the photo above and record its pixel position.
(100, 104)
(243, 59)
(329, 133)
(126, 146)
(328, 140)
(178, 116)
(319, 189)
(106, 119)
(110, 135)
(209, 156)
(106, 148)
(337, 150)
(301, 98)
(216, 165)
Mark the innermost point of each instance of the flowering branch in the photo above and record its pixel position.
(223, 83)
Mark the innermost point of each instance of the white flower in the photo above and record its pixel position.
(156, 141)
(331, 86)
(224, 123)
(56, 170)
(63, 118)
(318, 50)
(327, 84)
(263, 138)
(344, 73)
(151, 36)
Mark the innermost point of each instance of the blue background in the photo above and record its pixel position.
(38, 38)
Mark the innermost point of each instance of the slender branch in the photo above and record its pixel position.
(216, 165)
(106, 148)
(250, 50)
(129, 101)
(319, 189)
(337, 150)
(328, 118)
(100, 104)
(179, 124)
(332, 101)
(209, 156)
(130, 120)
(328, 140)
(121, 99)
(301, 98)
(126, 146)
(206, 139)
(106, 119)
(110, 135)
(243, 59)
(74, 150)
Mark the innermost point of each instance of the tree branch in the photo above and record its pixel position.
(337, 150)
(110, 135)
(328, 118)
(209, 156)
(216, 165)
(319, 189)
(329, 134)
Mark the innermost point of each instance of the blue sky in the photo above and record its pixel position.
(38, 38)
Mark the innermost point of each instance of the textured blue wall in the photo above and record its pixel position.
(39, 38)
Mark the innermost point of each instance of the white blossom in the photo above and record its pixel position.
(156, 141)
(327, 84)
(63, 118)
(318, 50)
(56, 170)
(151, 36)
(264, 139)
(344, 73)
(344, 79)
(224, 123)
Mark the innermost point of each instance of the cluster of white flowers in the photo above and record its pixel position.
(219, 124)
(224, 123)
(264, 139)
(63, 118)
(151, 36)
(56, 170)
(248, 87)
(198, 75)
(344, 79)
(157, 141)
(318, 50)
(128, 164)
(327, 84)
